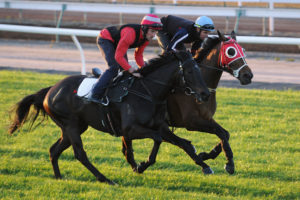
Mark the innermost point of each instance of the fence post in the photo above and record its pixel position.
(20, 15)
(63, 8)
(226, 21)
(271, 19)
(74, 38)
(239, 14)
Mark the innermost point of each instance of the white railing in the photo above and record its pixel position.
(94, 33)
(143, 9)
(237, 12)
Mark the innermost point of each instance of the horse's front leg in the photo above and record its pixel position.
(186, 145)
(139, 132)
(128, 153)
(152, 158)
(214, 128)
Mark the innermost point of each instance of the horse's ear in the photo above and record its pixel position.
(221, 36)
(233, 35)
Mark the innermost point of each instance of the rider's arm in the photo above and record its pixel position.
(127, 38)
(177, 38)
(138, 54)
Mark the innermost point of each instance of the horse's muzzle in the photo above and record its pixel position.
(203, 97)
(246, 78)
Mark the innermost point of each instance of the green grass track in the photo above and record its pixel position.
(265, 138)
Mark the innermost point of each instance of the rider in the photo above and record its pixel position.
(114, 43)
(177, 30)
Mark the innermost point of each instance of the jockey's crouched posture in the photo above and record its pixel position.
(177, 31)
(114, 43)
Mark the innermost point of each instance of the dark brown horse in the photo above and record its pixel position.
(217, 54)
(140, 115)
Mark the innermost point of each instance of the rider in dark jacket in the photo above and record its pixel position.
(177, 31)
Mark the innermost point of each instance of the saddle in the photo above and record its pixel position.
(116, 91)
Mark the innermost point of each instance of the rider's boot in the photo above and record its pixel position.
(95, 98)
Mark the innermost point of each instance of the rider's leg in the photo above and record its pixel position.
(108, 52)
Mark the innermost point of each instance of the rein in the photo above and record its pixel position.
(149, 96)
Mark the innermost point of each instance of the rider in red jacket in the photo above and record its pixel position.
(114, 43)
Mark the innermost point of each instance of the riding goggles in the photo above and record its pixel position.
(207, 27)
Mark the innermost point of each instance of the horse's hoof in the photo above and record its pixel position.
(203, 156)
(135, 169)
(110, 182)
(229, 168)
(141, 168)
(58, 177)
(207, 170)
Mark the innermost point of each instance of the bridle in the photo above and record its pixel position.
(224, 59)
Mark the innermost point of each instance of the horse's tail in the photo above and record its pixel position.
(22, 109)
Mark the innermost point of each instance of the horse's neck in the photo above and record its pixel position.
(161, 80)
(211, 73)
(211, 77)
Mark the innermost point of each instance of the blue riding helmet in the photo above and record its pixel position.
(205, 23)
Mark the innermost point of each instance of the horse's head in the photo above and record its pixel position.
(191, 76)
(232, 59)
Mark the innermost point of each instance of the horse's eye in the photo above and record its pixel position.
(231, 52)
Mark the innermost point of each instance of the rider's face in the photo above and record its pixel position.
(150, 34)
(203, 33)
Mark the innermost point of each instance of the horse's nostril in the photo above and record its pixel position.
(248, 76)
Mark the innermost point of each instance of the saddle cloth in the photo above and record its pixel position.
(86, 86)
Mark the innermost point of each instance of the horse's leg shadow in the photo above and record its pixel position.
(186, 145)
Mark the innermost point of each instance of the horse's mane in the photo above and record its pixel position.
(155, 63)
(207, 45)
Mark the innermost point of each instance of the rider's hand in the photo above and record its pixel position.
(131, 70)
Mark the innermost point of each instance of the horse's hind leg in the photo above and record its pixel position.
(55, 151)
(186, 145)
(76, 142)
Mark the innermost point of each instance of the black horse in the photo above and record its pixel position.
(140, 115)
(217, 54)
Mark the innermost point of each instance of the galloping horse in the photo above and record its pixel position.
(217, 54)
(140, 115)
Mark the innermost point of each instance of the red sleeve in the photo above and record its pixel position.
(105, 35)
(138, 54)
(127, 38)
